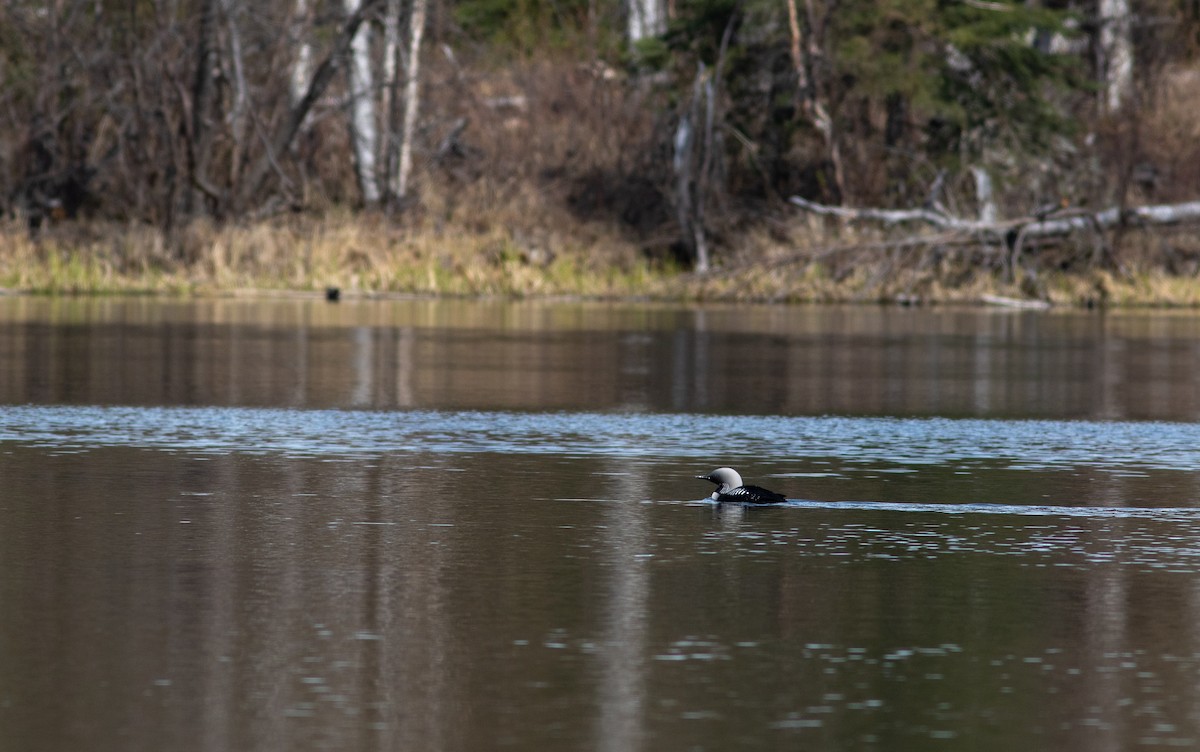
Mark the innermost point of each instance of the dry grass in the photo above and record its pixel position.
(370, 254)
(358, 253)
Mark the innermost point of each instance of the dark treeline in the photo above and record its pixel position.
(678, 120)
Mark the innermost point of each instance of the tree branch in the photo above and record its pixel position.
(282, 141)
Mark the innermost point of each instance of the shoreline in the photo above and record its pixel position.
(366, 258)
(983, 301)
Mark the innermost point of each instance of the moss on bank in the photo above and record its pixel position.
(367, 255)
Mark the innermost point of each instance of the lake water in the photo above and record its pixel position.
(457, 525)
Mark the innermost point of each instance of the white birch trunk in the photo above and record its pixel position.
(1116, 53)
(389, 145)
(363, 129)
(984, 196)
(302, 66)
(647, 18)
(389, 89)
(391, 44)
(286, 130)
(416, 29)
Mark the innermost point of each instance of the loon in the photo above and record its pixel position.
(730, 488)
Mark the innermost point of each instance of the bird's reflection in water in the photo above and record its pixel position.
(730, 515)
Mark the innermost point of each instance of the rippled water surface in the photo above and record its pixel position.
(474, 525)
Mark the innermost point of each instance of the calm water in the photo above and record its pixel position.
(414, 525)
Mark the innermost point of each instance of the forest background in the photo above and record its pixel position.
(911, 150)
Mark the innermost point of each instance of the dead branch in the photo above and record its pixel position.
(938, 219)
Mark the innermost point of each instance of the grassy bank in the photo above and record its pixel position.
(357, 253)
(368, 254)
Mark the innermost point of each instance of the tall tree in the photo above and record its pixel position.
(239, 111)
(411, 103)
(203, 101)
(960, 82)
(1114, 50)
(302, 64)
(401, 105)
(364, 131)
(808, 58)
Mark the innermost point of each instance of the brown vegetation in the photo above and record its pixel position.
(369, 255)
(548, 175)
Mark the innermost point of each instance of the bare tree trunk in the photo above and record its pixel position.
(364, 131)
(806, 57)
(646, 18)
(202, 102)
(707, 167)
(683, 164)
(290, 126)
(237, 116)
(984, 196)
(690, 179)
(302, 66)
(390, 96)
(416, 29)
(1115, 51)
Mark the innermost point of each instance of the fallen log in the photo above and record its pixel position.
(1003, 301)
(933, 217)
(1061, 223)
(1161, 214)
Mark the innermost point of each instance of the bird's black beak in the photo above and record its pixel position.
(705, 477)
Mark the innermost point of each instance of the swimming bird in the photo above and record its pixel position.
(730, 488)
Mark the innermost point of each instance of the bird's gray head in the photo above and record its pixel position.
(726, 479)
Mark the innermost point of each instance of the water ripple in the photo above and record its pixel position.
(1023, 444)
(1022, 510)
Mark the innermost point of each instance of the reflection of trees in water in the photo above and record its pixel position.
(781, 360)
(626, 608)
(377, 602)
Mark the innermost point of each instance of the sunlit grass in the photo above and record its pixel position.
(359, 256)
(370, 255)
